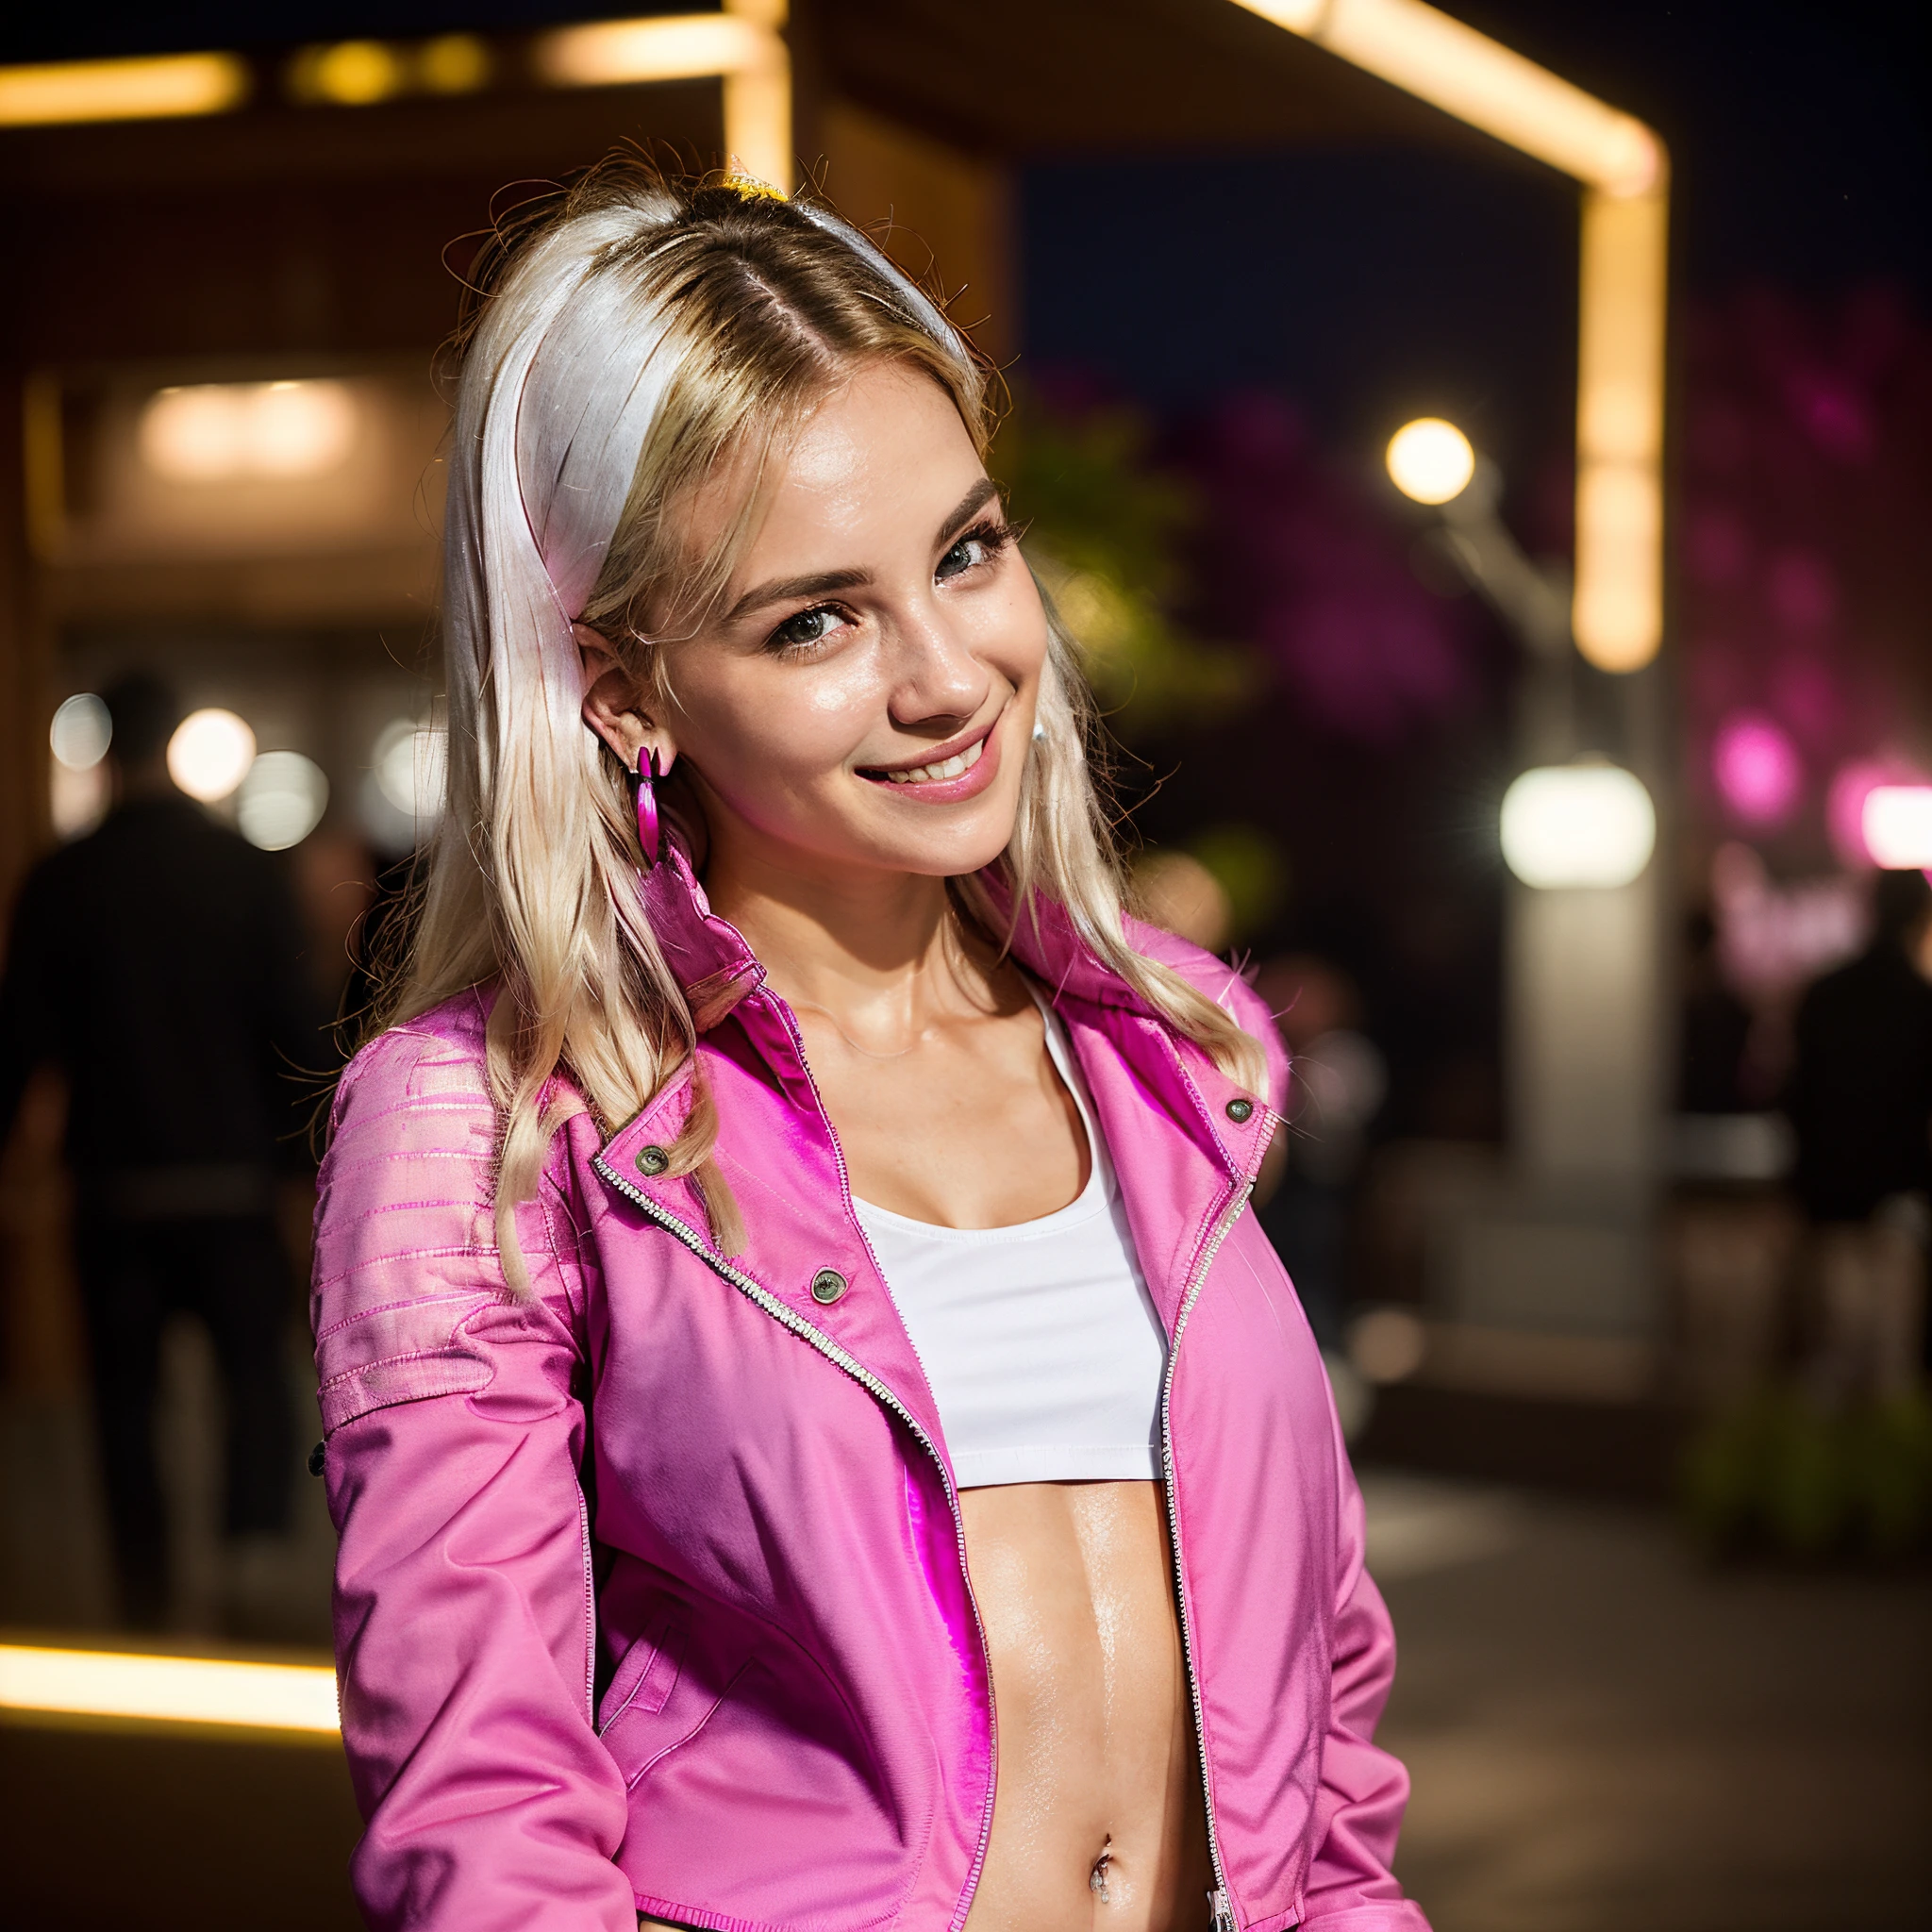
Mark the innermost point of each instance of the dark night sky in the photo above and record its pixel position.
(1373, 287)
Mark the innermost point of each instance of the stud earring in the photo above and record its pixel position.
(643, 795)
(1039, 731)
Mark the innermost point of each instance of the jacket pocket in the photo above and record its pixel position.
(647, 1675)
(663, 1693)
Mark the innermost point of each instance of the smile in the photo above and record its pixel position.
(953, 766)
(951, 773)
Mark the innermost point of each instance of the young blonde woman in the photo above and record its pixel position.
(817, 1440)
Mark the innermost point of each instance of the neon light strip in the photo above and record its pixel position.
(1618, 612)
(741, 46)
(1426, 53)
(165, 86)
(183, 1689)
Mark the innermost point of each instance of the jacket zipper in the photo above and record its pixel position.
(881, 1393)
(1219, 1901)
(979, 1850)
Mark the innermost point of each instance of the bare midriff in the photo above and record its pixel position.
(1098, 1818)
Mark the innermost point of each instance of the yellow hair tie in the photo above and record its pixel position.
(752, 188)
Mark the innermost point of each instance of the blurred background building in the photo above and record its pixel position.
(1539, 757)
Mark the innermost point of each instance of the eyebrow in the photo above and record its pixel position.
(823, 583)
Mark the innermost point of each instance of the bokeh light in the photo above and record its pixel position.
(1896, 823)
(81, 732)
(453, 64)
(409, 764)
(1845, 803)
(1180, 896)
(209, 754)
(351, 74)
(217, 432)
(1584, 825)
(281, 800)
(78, 801)
(1387, 1344)
(1430, 460)
(1759, 775)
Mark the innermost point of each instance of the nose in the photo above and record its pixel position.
(937, 680)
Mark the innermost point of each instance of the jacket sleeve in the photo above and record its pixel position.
(1364, 1790)
(463, 1603)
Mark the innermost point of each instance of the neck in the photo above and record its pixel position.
(876, 949)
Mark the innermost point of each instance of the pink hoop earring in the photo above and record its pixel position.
(643, 795)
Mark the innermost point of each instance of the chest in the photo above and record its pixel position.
(972, 1127)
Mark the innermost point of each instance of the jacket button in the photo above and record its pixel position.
(827, 1285)
(652, 1159)
(318, 1458)
(1239, 1110)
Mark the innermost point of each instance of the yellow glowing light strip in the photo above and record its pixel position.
(166, 86)
(1480, 81)
(181, 1689)
(1618, 610)
(741, 46)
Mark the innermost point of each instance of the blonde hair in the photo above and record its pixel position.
(625, 338)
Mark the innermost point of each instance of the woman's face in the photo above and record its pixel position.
(864, 698)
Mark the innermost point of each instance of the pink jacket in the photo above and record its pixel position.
(651, 1594)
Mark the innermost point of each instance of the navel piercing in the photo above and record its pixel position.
(643, 795)
(1096, 1879)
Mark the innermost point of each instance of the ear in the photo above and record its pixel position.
(614, 705)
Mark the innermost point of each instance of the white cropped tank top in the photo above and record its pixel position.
(1039, 1341)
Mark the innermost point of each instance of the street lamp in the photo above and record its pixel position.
(1582, 971)
(1582, 823)
(1585, 825)
(1430, 460)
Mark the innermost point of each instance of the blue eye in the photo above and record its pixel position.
(804, 628)
(978, 546)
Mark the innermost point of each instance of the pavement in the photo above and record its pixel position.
(1607, 1732)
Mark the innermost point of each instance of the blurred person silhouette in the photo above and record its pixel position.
(1715, 1031)
(1337, 1082)
(158, 963)
(1860, 1104)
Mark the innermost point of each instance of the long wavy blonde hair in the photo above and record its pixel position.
(624, 338)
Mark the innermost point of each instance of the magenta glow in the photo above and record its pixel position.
(1758, 772)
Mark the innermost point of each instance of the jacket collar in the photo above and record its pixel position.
(717, 969)
(706, 955)
(1185, 1171)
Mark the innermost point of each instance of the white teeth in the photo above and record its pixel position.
(953, 766)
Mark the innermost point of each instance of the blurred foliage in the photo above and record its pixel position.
(1252, 870)
(1804, 577)
(1781, 1470)
(1104, 533)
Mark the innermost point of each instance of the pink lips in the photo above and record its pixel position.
(969, 784)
